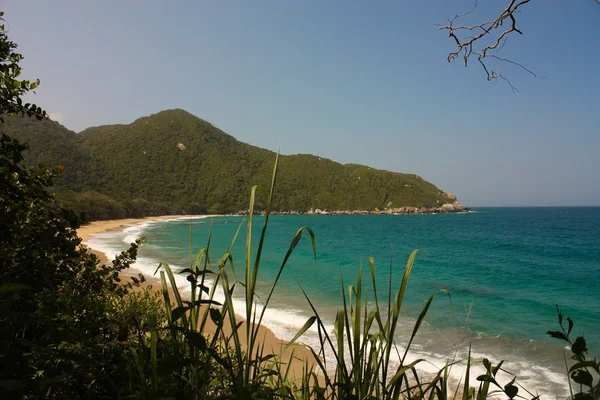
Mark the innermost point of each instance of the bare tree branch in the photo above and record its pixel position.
(490, 32)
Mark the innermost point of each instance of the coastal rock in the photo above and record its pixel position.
(452, 207)
(449, 195)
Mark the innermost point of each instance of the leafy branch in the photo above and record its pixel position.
(584, 371)
(11, 88)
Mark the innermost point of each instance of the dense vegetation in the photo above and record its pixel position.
(63, 317)
(175, 163)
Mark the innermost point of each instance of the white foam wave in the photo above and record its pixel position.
(135, 231)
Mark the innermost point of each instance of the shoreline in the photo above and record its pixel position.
(268, 337)
(85, 231)
(274, 343)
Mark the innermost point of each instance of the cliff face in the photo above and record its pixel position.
(174, 162)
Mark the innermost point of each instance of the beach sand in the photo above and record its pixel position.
(272, 344)
(84, 232)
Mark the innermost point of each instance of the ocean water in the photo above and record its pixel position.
(505, 270)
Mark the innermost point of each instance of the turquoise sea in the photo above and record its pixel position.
(505, 269)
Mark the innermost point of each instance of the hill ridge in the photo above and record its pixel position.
(174, 162)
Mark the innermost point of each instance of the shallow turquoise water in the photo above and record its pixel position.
(505, 269)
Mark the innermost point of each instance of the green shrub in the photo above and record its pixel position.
(60, 327)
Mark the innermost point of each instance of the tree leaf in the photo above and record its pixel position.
(582, 377)
(487, 364)
(579, 347)
(197, 340)
(216, 316)
(583, 364)
(511, 390)
(205, 301)
(570, 325)
(558, 335)
(178, 313)
(486, 378)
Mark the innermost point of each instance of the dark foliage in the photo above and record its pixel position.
(584, 371)
(60, 334)
(11, 87)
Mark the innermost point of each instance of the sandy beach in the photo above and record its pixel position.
(272, 343)
(86, 231)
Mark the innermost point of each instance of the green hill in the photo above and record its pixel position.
(173, 162)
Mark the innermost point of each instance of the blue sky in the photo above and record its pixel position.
(355, 81)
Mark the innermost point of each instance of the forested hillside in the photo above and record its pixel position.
(173, 162)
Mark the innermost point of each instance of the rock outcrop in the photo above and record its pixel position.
(449, 208)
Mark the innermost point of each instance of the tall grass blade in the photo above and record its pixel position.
(191, 243)
(173, 283)
(140, 369)
(293, 245)
(401, 373)
(300, 332)
(166, 297)
(466, 393)
(394, 312)
(373, 280)
(229, 310)
(227, 257)
(153, 363)
(420, 321)
(251, 284)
